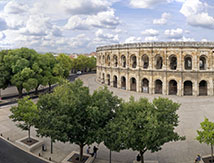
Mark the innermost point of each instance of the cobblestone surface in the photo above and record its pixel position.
(191, 113)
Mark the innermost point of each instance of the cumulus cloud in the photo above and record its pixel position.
(106, 19)
(150, 32)
(196, 14)
(3, 24)
(163, 20)
(14, 7)
(101, 35)
(150, 39)
(133, 39)
(174, 33)
(149, 3)
(185, 39)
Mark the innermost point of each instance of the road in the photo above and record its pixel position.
(12, 154)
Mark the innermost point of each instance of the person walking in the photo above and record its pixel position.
(95, 149)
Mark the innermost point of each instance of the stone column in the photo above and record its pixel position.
(127, 82)
(138, 85)
(180, 88)
(195, 88)
(210, 87)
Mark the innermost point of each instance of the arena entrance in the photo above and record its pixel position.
(188, 88)
(123, 83)
(108, 79)
(203, 88)
(133, 84)
(172, 87)
(145, 86)
(115, 81)
(158, 87)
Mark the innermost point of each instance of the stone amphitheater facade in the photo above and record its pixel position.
(168, 68)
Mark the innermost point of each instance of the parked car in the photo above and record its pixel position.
(79, 72)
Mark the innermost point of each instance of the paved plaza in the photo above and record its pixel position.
(191, 113)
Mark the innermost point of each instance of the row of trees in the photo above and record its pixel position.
(83, 63)
(26, 69)
(72, 114)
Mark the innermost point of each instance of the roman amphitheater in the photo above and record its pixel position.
(168, 68)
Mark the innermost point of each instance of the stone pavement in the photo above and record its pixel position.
(191, 113)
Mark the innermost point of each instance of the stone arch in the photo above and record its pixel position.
(103, 60)
(133, 84)
(173, 87)
(123, 61)
(203, 88)
(202, 62)
(158, 62)
(133, 61)
(123, 82)
(108, 60)
(145, 85)
(108, 79)
(173, 62)
(145, 61)
(188, 88)
(103, 79)
(188, 62)
(115, 61)
(115, 81)
(158, 86)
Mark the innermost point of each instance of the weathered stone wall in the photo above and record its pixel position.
(189, 64)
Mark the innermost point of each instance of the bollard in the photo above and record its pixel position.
(8, 138)
(39, 154)
(49, 158)
(1, 135)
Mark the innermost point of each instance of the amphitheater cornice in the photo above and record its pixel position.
(157, 45)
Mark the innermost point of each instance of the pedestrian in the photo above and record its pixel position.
(95, 149)
(198, 159)
(88, 150)
(138, 157)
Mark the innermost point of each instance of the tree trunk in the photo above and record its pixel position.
(51, 146)
(49, 89)
(20, 91)
(36, 90)
(141, 156)
(29, 139)
(212, 152)
(110, 156)
(81, 152)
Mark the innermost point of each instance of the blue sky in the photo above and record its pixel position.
(81, 25)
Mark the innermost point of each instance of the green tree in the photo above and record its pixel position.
(144, 126)
(25, 114)
(206, 135)
(20, 63)
(64, 62)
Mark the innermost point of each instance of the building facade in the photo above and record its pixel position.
(168, 68)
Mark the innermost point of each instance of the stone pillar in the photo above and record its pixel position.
(180, 88)
(165, 85)
(151, 85)
(138, 85)
(195, 88)
(210, 87)
(127, 82)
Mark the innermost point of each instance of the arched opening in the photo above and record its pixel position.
(123, 83)
(123, 61)
(158, 86)
(103, 60)
(172, 87)
(159, 62)
(173, 62)
(108, 60)
(188, 88)
(108, 80)
(145, 60)
(133, 84)
(188, 63)
(203, 88)
(133, 61)
(202, 63)
(103, 80)
(115, 61)
(145, 85)
(115, 81)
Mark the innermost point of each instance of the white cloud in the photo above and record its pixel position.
(14, 7)
(174, 33)
(185, 39)
(163, 20)
(196, 14)
(3, 24)
(150, 39)
(150, 32)
(133, 39)
(2, 36)
(106, 19)
(204, 40)
(106, 36)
